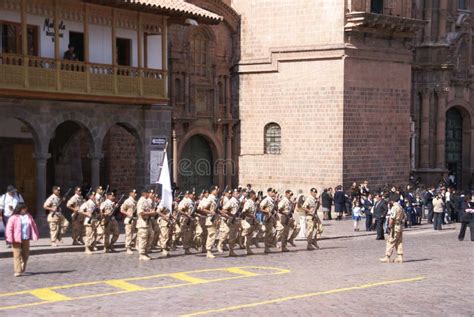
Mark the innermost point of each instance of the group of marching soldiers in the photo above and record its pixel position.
(214, 219)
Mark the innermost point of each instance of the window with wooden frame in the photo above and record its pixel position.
(272, 138)
(11, 39)
(199, 47)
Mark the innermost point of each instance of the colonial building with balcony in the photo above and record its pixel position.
(84, 91)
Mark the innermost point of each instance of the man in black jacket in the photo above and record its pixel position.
(380, 211)
(428, 202)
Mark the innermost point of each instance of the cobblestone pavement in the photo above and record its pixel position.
(343, 278)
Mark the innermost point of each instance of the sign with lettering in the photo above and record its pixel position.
(158, 141)
(48, 27)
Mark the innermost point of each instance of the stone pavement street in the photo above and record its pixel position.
(343, 278)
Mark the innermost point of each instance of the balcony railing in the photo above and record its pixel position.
(61, 76)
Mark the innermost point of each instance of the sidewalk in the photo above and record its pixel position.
(332, 230)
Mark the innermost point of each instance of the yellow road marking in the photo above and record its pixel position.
(238, 270)
(126, 286)
(186, 278)
(48, 295)
(284, 299)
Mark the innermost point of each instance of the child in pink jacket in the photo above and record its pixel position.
(21, 228)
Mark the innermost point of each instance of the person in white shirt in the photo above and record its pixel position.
(8, 202)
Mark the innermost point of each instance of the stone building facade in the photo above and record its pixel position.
(325, 91)
(442, 109)
(203, 95)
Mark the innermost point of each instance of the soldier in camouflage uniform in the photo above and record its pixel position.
(74, 203)
(395, 240)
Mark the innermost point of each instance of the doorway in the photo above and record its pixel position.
(454, 142)
(25, 173)
(76, 39)
(124, 47)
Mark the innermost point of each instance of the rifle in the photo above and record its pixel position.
(292, 211)
(116, 207)
(219, 205)
(59, 209)
(238, 213)
(97, 206)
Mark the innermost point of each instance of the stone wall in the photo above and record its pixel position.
(376, 121)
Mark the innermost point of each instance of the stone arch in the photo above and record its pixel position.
(131, 125)
(80, 119)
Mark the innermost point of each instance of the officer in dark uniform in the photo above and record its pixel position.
(467, 217)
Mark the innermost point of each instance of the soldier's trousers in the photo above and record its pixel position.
(144, 237)
(111, 228)
(165, 234)
(227, 231)
(248, 228)
(310, 227)
(176, 234)
(295, 226)
(91, 235)
(100, 232)
(187, 234)
(129, 234)
(267, 229)
(57, 226)
(77, 228)
(211, 236)
(200, 234)
(155, 227)
(282, 232)
(395, 241)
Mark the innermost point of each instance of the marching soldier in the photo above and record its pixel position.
(266, 206)
(99, 199)
(144, 232)
(166, 223)
(309, 207)
(155, 227)
(395, 240)
(89, 211)
(249, 223)
(57, 222)
(200, 233)
(185, 209)
(294, 223)
(74, 203)
(176, 235)
(283, 218)
(109, 223)
(129, 208)
(229, 225)
(209, 207)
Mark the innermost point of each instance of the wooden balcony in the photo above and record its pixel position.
(44, 78)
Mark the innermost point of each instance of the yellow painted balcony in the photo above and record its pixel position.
(44, 78)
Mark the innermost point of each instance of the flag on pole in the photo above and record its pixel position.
(165, 181)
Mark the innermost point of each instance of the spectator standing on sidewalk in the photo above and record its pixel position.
(466, 214)
(21, 228)
(368, 211)
(339, 202)
(8, 203)
(438, 212)
(356, 214)
(326, 200)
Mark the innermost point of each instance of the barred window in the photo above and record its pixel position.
(199, 49)
(272, 136)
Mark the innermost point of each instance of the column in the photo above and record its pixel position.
(425, 129)
(140, 39)
(441, 130)
(164, 48)
(228, 156)
(443, 11)
(175, 157)
(428, 17)
(114, 52)
(57, 47)
(41, 163)
(86, 45)
(24, 41)
(95, 168)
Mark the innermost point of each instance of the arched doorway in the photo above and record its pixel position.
(69, 164)
(454, 143)
(195, 167)
(17, 164)
(119, 165)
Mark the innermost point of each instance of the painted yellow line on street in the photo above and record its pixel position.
(186, 278)
(301, 296)
(126, 286)
(49, 295)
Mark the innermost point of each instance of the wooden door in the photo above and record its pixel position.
(25, 173)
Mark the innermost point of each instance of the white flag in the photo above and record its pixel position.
(165, 181)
